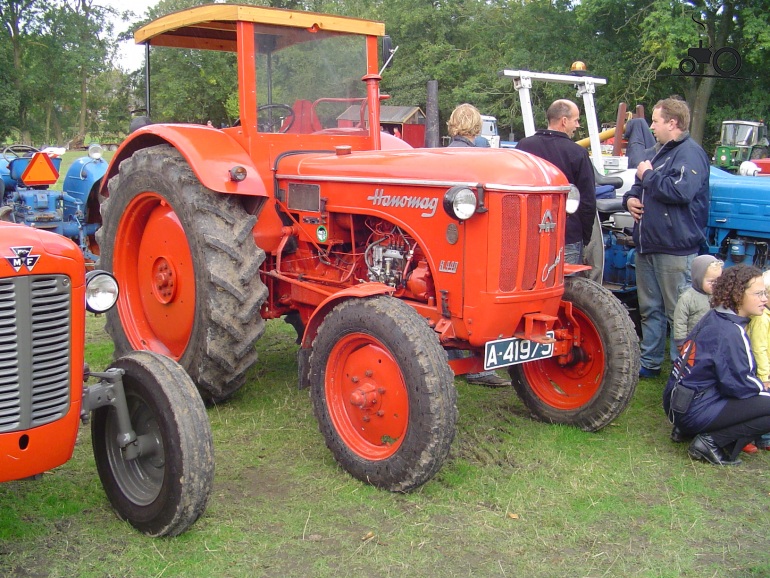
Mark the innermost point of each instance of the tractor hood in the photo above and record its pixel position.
(495, 169)
(25, 250)
(738, 202)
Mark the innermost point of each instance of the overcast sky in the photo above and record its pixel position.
(130, 55)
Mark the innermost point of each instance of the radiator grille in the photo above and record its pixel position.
(521, 254)
(35, 325)
(509, 255)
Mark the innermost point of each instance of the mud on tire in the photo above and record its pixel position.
(598, 385)
(205, 313)
(383, 392)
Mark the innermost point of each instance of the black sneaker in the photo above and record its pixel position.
(489, 380)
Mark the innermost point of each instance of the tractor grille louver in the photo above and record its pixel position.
(35, 325)
(525, 258)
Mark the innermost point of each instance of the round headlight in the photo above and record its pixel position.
(460, 203)
(101, 291)
(573, 199)
(95, 151)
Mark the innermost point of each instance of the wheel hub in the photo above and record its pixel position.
(367, 398)
(164, 276)
(369, 407)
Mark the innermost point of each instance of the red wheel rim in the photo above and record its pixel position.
(367, 397)
(154, 267)
(572, 386)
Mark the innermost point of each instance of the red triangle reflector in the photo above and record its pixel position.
(40, 171)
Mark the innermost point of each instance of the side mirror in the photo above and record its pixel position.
(387, 52)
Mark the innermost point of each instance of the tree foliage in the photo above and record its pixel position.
(60, 81)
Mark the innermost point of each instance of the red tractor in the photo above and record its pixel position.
(150, 432)
(380, 255)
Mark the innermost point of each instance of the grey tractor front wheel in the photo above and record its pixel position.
(164, 490)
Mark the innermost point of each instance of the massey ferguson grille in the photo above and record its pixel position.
(34, 350)
(521, 254)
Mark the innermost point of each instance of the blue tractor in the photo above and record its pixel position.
(26, 175)
(738, 229)
(739, 217)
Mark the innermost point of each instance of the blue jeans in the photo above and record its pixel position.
(660, 279)
(573, 253)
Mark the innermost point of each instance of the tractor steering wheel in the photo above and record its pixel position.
(17, 151)
(271, 124)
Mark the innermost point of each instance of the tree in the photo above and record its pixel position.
(672, 28)
(92, 29)
(15, 15)
(9, 96)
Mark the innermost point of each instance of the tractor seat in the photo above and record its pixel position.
(614, 205)
(305, 119)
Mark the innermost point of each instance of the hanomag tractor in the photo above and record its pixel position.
(149, 429)
(382, 256)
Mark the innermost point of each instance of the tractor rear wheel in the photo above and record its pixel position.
(383, 392)
(759, 153)
(597, 385)
(188, 269)
(163, 491)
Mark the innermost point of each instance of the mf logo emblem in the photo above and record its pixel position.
(22, 258)
(547, 224)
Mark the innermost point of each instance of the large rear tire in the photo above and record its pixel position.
(383, 392)
(598, 384)
(188, 268)
(165, 490)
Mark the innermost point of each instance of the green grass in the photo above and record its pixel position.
(515, 498)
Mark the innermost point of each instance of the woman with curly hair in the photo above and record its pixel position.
(464, 126)
(716, 395)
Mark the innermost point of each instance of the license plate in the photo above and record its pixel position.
(505, 352)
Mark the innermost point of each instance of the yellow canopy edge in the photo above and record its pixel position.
(212, 26)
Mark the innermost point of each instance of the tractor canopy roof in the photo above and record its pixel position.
(213, 26)
(744, 122)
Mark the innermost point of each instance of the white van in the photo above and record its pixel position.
(489, 131)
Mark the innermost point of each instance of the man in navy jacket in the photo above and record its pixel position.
(669, 203)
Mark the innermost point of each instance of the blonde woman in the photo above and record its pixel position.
(464, 126)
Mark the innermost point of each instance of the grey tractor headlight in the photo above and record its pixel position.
(460, 203)
(573, 199)
(95, 151)
(101, 291)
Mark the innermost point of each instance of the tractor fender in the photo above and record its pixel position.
(210, 152)
(311, 329)
(81, 177)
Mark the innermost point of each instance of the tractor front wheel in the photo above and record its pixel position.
(188, 269)
(383, 392)
(593, 387)
(164, 490)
